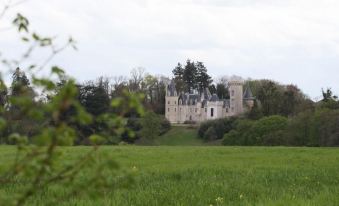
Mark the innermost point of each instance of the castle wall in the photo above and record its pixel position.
(181, 113)
(236, 97)
(172, 109)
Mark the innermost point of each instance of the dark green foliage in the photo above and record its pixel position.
(165, 125)
(178, 73)
(270, 96)
(212, 89)
(190, 76)
(222, 91)
(217, 128)
(153, 125)
(326, 125)
(266, 131)
(210, 134)
(150, 126)
(277, 99)
(133, 130)
(3, 94)
(256, 112)
(202, 78)
(193, 76)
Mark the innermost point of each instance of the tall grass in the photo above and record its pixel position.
(211, 176)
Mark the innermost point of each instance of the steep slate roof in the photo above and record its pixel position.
(248, 94)
(207, 94)
(188, 99)
(214, 98)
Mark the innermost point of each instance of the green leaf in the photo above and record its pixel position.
(96, 139)
(25, 39)
(58, 71)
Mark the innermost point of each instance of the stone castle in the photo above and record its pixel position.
(181, 108)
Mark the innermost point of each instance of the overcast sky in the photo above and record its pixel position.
(290, 41)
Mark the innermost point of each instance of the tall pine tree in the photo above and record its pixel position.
(190, 76)
(203, 80)
(178, 73)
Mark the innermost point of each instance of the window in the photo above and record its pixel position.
(232, 109)
(205, 110)
(232, 93)
(196, 110)
(212, 112)
(180, 109)
(175, 102)
(227, 110)
(175, 109)
(168, 102)
(168, 109)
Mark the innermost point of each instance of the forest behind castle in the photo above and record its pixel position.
(282, 114)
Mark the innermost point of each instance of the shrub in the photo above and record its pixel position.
(220, 127)
(267, 126)
(150, 126)
(165, 125)
(266, 131)
(210, 134)
(231, 138)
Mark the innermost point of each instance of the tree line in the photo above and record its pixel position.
(94, 96)
(282, 115)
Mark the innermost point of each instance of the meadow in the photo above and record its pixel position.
(210, 175)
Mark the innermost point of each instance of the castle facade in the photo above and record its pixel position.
(181, 108)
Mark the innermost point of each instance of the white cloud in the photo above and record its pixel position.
(292, 41)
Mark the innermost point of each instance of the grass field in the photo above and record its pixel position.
(200, 175)
(179, 135)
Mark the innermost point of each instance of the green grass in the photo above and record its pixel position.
(200, 175)
(179, 135)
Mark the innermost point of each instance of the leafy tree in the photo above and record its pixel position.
(222, 91)
(300, 130)
(326, 127)
(20, 84)
(270, 97)
(329, 100)
(3, 94)
(264, 127)
(220, 127)
(95, 98)
(150, 126)
(255, 112)
(37, 168)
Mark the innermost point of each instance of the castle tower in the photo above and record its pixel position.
(236, 96)
(248, 97)
(172, 102)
